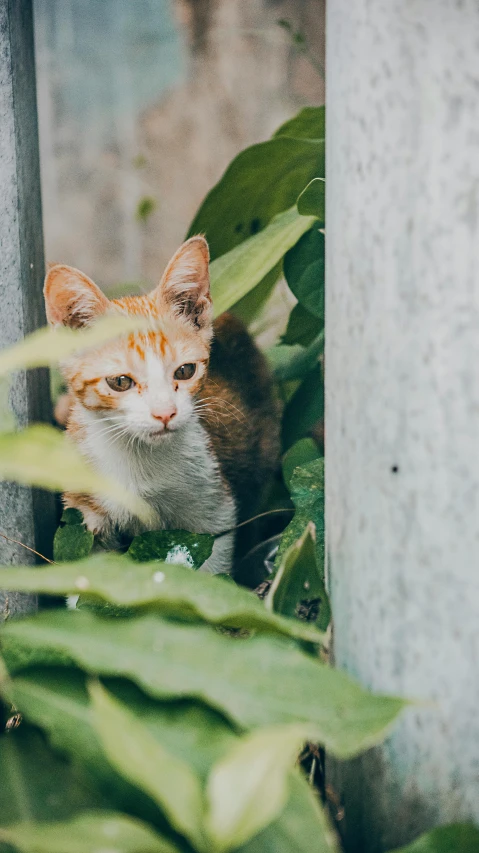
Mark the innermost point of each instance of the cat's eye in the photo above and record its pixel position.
(186, 371)
(120, 383)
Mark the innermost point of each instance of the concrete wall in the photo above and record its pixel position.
(402, 400)
(153, 99)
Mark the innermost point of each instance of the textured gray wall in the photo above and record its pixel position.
(25, 514)
(402, 414)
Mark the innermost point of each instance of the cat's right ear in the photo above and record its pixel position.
(71, 298)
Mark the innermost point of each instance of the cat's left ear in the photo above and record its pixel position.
(185, 286)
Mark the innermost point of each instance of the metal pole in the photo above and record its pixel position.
(26, 515)
(402, 400)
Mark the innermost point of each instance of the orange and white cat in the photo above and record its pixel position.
(182, 415)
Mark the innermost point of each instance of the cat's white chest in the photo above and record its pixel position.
(179, 478)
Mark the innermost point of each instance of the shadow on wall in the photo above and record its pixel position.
(141, 107)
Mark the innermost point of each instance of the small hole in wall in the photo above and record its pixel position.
(395, 469)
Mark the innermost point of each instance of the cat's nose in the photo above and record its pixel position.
(164, 414)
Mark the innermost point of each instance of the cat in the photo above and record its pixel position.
(183, 415)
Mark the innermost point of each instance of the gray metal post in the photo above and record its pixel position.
(25, 514)
(402, 400)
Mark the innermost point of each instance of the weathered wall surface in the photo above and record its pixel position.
(26, 514)
(402, 400)
(153, 99)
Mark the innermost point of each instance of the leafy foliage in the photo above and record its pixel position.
(172, 546)
(458, 837)
(170, 719)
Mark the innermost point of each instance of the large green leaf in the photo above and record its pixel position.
(300, 579)
(170, 588)
(302, 453)
(44, 456)
(237, 272)
(305, 408)
(302, 827)
(302, 328)
(307, 493)
(72, 540)
(262, 181)
(295, 362)
(172, 546)
(309, 123)
(304, 271)
(248, 788)
(141, 759)
(456, 838)
(38, 785)
(249, 308)
(257, 681)
(49, 346)
(90, 832)
(312, 201)
(57, 700)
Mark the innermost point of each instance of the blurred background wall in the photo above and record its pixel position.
(143, 104)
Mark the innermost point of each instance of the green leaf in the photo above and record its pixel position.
(250, 306)
(309, 123)
(90, 832)
(72, 540)
(170, 588)
(57, 700)
(305, 408)
(139, 757)
(456, 838)
(312, 201)
(248, 788)
(43, 456)
(295, 362)
(237, 272)
(302, 827)
(302, 328)
(262, 181)
(304, 451)
(48, 346)
(307, 494)
(304, 271)
(299, 579)
(257, 681)
(172, 546)
(37, 784)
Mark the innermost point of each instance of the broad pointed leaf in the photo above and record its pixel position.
(257, 681)
(312, 201)
(48, 346)
(305, 408)
(261, 181)
(297, 362)
(307, 493)
(309, 123)
(141, 759)
(90, 832)
(304, 451)
(237, 272)
(172, 546)
(38, 785)
(299, 580)
(173, 589)
(43, 456)
(57, 701)
(248, 788)
(302, 328)
(456, 838)
(304, 271)
(302, 827)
